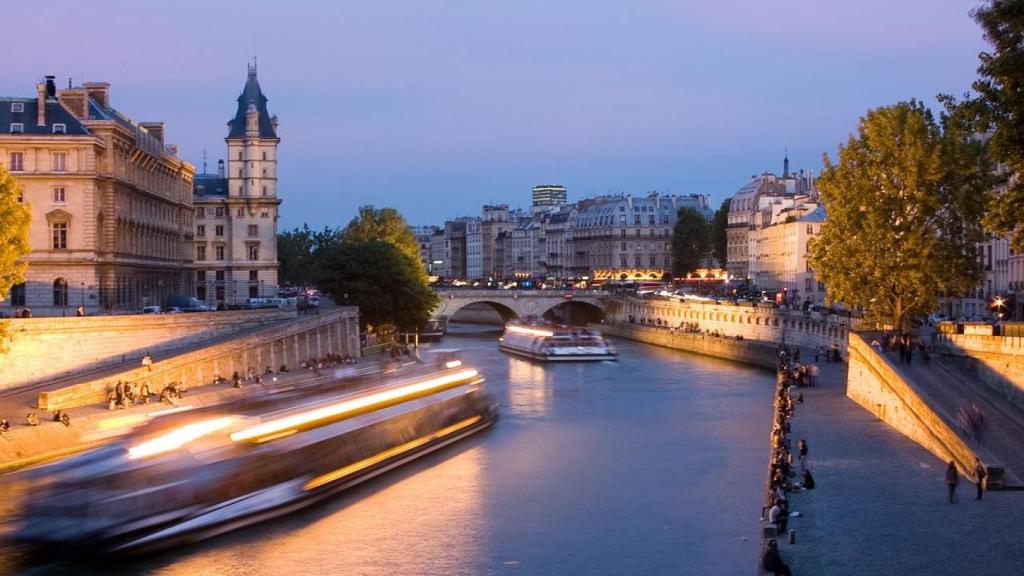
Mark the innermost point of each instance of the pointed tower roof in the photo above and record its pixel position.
(251, 95)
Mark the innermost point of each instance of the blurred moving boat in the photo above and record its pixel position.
(188, 476)
(553, 343)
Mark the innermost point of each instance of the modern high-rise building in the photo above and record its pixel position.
(548, 195)
(111, 203)
(236, 210)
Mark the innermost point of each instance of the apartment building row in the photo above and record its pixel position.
(605, 237)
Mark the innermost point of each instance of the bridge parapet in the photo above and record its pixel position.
(517, 303)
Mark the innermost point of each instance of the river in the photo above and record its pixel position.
(651, 465)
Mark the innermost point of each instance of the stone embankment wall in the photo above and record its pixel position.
(51, 348)
(747, 351)
(998, 361)
(334, 331)
(874, 384)
(767, 324)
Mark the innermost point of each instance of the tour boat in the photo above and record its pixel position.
(191, 475)
(555, 343)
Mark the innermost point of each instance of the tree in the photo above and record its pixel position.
(385, 224)
(387, 285)
(998, 109)
(902, 203)
(15, 218)
(299, 251)
(690, 241)
(719, 233)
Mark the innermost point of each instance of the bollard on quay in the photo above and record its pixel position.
(792, 536)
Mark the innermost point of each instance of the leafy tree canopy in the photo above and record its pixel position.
(719, 233)
(387, 285)
(15, 218)
(690, 241)
(998, 110)
(299, 250)
(385, 224)
(901, 203)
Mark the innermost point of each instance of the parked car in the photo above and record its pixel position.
(152, 310)
(186, 303)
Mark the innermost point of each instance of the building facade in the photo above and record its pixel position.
(622, 236)
(236, 210)
(111, 203)
(548, 195)
(778, 252)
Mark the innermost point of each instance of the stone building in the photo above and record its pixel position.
(778, 251)
(752, 198)
(111, 203)
(236, 210)
(616, 236)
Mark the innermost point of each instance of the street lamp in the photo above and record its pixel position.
(999, 303)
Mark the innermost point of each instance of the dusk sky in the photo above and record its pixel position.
(437, 107)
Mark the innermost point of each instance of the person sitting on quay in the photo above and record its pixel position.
(236, 380)
(65, 419)
(32, 419)
(772, 560)
(268, 371)
(807, 482)
(4, 425)
(112, 400)
(56, 416)
(283, 368)
(144, 392)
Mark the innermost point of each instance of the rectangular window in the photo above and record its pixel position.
(623, 261)
(60, 161)
(254, 230)
(60, 129)
(219, 275)
(254, 275)
(265, 213)
(650, 220)
(623, 246)
(239, 190)
(808, 284)
(264, 190)
(200, 252)
(218, 231)
(240, 213)
(637, 234)
(200, 212)
(58, 195)
(60, 235)
(254, 291)
(239, 154)
(220, 253)
(18, 294)
(254, 252)
(17, 106)
(17, 162)
(637, 260)
(636, 219)
(200, 275)
(218, 212)
(17, 127)
(239, 173)
(810, 229)
(654, 260)
(264, 155)
(201, 230)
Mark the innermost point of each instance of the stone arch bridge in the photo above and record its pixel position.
(582, 305)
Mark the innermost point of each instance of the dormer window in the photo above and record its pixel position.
(17, 106)
(60, 129)
(17, 127)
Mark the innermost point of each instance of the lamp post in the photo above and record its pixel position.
(999, 303)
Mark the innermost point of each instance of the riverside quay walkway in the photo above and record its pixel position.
(880, 505)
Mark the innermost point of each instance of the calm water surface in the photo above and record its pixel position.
(651, 465)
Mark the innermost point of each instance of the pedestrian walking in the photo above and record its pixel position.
(147, 362)
(952, 479)
(80, 311)
(979, 476)
(801, 447)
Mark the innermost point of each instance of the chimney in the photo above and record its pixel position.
(173, 149)
(220, 168)
(99, 91)
(155, 129)
(41, 104)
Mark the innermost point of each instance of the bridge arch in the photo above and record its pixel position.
(574, 311)
(504, 311)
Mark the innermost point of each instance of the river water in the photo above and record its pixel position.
(651, 465)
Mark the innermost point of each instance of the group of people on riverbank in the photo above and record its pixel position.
(782, 477)
(32, 419)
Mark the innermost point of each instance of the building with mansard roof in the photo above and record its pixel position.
(236, 209)
(111, 204)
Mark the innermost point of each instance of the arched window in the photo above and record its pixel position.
(60, 292)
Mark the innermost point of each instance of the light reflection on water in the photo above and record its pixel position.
(651, 465)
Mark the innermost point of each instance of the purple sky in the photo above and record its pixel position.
(435, 107)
